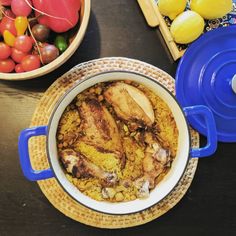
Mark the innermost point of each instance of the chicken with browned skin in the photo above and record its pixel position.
(80, 167)
(99, 129)
(155, 163)
(130, 104)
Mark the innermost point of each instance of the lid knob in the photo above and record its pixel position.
(233, 84)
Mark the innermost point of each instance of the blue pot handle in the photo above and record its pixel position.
(211, 146)
(23, 147)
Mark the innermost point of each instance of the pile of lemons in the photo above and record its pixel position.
(187, 26)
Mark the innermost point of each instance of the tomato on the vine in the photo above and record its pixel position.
(21, 7)
(7, 65)
(30, 62)
(23, 43)
(17, 55)
(5, 51)
(7, 24)
(49, 53)
(19, 68)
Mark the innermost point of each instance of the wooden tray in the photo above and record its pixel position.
(154, 18)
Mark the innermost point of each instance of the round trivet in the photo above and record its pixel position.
(37, 148)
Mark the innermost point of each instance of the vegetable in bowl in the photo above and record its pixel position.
(34, 30)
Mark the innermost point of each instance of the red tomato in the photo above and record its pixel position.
(17, 55)
(21, 8)
(7, 24)
(49, 53)
(5, 51)
(19, 68)
(23, 43)
(6, 2)
(30, 62)
(7, 65)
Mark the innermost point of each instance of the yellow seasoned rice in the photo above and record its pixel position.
(167, 135)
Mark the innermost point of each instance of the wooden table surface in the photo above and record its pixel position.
(116, 28)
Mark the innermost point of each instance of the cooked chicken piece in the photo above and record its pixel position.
(154, 164)
(130, 104)
(80, 167)
(152, 169)
(162, 155)
(100, 129)
(142, 184)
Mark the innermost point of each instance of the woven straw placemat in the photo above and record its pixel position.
(37, 147)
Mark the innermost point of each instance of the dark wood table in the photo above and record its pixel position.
(116, 28)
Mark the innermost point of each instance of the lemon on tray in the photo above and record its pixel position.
(172, 8)
(187, 27)
(211, 9)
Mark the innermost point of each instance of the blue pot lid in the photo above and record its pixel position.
(206, 75)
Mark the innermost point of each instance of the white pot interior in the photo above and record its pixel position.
(163, 188)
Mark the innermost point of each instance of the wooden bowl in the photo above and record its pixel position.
(84, 19)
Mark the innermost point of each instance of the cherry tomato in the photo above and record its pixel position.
(17, 55)
(6, 2)
(30, 62)
(23, 43)
(19, 68)
(21, 8)
(7, 24)
(7, 65)
(41, 32)
(5, 51)
(49, 53)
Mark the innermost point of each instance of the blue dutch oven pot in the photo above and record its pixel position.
(184, 153)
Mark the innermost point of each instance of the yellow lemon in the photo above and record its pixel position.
(172, 8)
(211, 9)
(187, 27)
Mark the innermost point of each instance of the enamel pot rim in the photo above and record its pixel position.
(92, 78)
